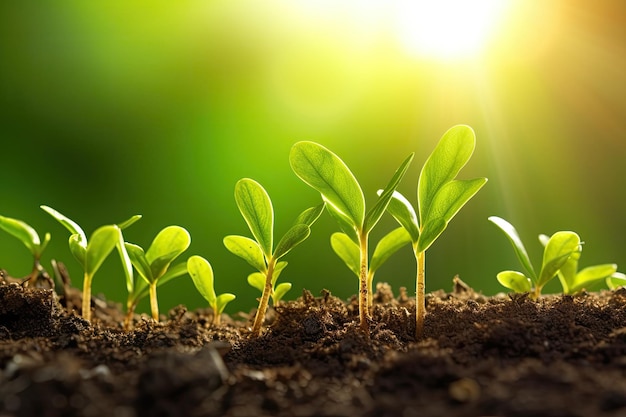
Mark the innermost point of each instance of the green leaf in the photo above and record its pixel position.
(404, 213)
(127, 265)
(68, 223)
(591, 275)
(310, 215)
(344, 223)
(168, 244)
(247, 249)
(280, 291)
(25, 233)
(374, 215)
(202, 276)
(559, 248)
(567, 272)
(78, 249)
(515, 281)
(294, 236)
(615, 281)
(387, 246)
(256, 208)
(102, 242)
(450, 155)
(518, 246)
(127, 223)
(330, 176)
(451, 198)
(222, 300)
(347, 250)
(430, 232)
(257, 280)
(139, 261)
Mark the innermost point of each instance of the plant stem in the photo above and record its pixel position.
(154, 304)
(264, 301)
(87, 297)
(420, 289)
(370, 291)
(364, 316)
(216, 317)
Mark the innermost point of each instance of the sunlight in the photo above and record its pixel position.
(448, 29)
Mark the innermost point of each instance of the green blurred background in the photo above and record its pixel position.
(108, 109)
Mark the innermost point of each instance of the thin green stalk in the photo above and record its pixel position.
(420, 289)
(364, 316)
(154, 304)
(264, 302)
(87, 297)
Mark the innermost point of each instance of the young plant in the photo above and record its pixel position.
(154, 265)
(616, 280)
(439, 197)
(559, 248)
(325, 172)
(202, 276)
(29, 237)
(572, 280)
(348, 251)
(257, 280)
(90, 254)
(256, 208)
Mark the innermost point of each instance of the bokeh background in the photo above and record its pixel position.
(108, 109)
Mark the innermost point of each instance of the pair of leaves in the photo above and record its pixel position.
(325, 172)
(558, 249)
(26, 234)
(257, 280)
(348, 250)
(572, 280)
(256, 208)
(90, 254)
(439, 195)
(202, 276)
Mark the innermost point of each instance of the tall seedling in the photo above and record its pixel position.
(256, 208)
(439, 197)
(330, 176)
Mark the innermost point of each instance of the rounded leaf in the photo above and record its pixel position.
(256, 208)
(559, 248)
(168, 244)
(222, 300)
(515, 281)
(257, 280)
(102, 242)
(247, 249)
(22, 231)
(387, 246)
(347, 250)
(202, 276)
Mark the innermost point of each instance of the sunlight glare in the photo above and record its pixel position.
(448, 29)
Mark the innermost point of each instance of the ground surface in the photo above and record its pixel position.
(499, 356)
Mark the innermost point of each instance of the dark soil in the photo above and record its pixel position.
(481, 356)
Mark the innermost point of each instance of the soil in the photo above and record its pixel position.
(480, 356)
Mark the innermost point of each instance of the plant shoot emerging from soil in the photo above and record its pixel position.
(439, 197)
(202, 276)
(257, 280)
(559, 248)
(154, 265)
(29, 237)
(325, 172)
(256, 208)
(90, 254)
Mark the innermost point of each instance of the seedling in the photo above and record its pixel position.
(202, 276)
(90, 254)
(325, 172)
(572, 280)
(29, 237)
(559, 248)
(348, 251)
(256, 208)
(154, 265)
(257, 280)
(615, 281)
(439, 196)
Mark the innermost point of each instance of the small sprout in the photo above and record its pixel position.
(29, 237)
(559, 248)
(257, 280)
(202, 275)
(256, 208)
(573, 280)
(615, 281)
(90, 254)
(348, 251)
(154, 265)
(325, 172)
(439, 197)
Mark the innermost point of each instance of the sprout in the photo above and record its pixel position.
(202, 276)
(256, 208)
(325, 172)
(29, 237)
(154, 266)
(440, 197)
(90, 254)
